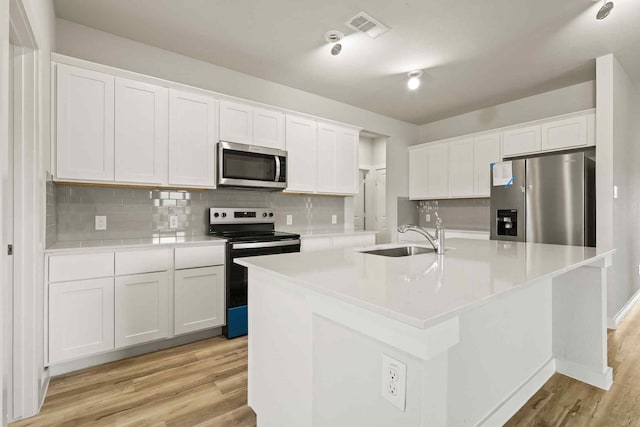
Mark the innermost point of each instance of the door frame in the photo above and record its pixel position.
(26, 342)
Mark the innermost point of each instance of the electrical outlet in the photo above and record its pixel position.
(394, 381)
(101, 222)
(615, 191)
(173, 221)
(289, 219)
(334, 219)
(427, 217)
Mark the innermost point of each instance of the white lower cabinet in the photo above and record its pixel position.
(199, 299)
(141, 308)
(80, 318)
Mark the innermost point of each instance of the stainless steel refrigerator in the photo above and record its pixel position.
(551, 199)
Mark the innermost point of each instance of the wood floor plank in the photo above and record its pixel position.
(204, 384)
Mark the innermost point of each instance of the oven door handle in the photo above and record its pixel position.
(258, 245)
(277, 168)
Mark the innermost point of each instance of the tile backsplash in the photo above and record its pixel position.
(51, 214)
(138, 212)
(456, 214)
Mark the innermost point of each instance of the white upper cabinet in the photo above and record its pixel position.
(192, 139)
(236, 122)
(302, 154)
(438, 170)
(85, 124)
(246, 124)
(418, 159)
(486, 150)
(337, 159)
(461, 168)
(565, 133)
(347, 162)
(327, 142)
(521, 141)
(141, 132)
(268, 128)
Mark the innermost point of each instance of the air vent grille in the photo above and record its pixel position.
(367, 24)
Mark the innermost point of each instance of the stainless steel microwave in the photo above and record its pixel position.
(250, 166)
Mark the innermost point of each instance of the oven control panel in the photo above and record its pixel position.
(240, 215)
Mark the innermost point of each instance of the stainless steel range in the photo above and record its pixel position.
(249, 232)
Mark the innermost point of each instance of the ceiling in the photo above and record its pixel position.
(474, 53)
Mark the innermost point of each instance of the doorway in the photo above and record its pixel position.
(370, 205)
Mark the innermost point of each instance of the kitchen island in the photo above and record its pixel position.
(475, 332)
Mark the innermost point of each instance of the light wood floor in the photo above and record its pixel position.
(205, 384)
(199, 384)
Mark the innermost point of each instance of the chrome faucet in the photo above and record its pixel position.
(436, 241)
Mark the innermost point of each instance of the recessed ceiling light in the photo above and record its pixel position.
(605, 10)
(414, 79)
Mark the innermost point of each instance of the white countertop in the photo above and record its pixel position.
(422, 290)
(327, 231)
(75, 245)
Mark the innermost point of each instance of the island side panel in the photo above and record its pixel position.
(580, 325)
(505, 345)
(280, 349)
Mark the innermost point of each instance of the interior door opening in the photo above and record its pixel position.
(370, 205)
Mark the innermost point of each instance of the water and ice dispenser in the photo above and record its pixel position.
(507, 222)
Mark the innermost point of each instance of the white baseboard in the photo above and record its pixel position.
(75, 365)
(614, 322)
(512, 404)
(586, 375)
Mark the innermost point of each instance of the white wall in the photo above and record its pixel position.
(618, 154)
(83, 42)
(561, 101)
(365, 152)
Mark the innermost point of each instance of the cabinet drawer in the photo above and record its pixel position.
(63, 268)
(147, 261)
(199, 256)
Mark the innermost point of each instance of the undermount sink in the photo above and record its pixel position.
(401, 251)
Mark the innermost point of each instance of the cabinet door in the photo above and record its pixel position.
(346, 161)
(141, 132)
(565, 133)
(236, 122)
(192, 140)
(85, 124)
(418, 160)
(327, 143)
(302, 154)
(268, 128)
(141, 308)
(199, 299)
(80, 318)
(461, 162)
(486, 151)
(438, 170)
(521, 141)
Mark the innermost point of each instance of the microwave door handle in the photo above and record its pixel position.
(277, 168)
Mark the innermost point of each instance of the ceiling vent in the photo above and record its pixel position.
(367, 24)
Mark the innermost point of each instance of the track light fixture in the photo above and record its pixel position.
(334, 37)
